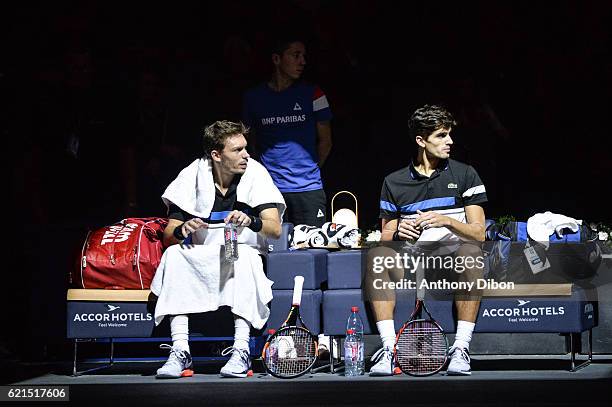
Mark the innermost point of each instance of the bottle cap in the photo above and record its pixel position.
(350, 331)
(354, 309)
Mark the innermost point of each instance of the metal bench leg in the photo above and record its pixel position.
(331, 358)
(111, 358)
(74, 359)
(331, 354)
(332, 363)
(587, 362)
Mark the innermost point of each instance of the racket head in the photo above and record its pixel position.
(290, 352)
(421, 348)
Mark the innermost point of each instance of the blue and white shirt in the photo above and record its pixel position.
(285, 124)
(452, 187)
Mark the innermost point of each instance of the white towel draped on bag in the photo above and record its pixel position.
(193, 279)
(541, 225)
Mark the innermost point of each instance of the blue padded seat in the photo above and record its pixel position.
(310, 308)
(337, 307)
(345, 269)
(283, 266)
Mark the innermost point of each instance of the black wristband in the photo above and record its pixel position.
(178, 232)
(256, 223)
(396, 236)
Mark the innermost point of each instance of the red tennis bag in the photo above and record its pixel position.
(121, 256)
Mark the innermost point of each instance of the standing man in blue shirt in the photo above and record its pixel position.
(290, 122)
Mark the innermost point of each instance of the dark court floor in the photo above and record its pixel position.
(496, 380)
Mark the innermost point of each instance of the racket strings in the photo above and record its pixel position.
(291, 352)
(421, 348)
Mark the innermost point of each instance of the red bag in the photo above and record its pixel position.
(121, 256)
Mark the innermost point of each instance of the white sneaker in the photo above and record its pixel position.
(179, 364)
(384, 362)
(459, 363)
(239, 364)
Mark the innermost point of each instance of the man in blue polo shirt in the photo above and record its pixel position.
(290, 121)
(434, 199)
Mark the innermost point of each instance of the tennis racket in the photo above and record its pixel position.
(292, 350)
(421, 348)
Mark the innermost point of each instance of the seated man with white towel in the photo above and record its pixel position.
(223, 186)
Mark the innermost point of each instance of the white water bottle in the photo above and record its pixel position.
(354, 346)
(273, 350)
(231, 242)
(353, 354)
(355, 322)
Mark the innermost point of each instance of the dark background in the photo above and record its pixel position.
(528, 81)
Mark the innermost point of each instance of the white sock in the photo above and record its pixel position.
(242, 333)
(386, 330)
(179, 329)
(464, 334)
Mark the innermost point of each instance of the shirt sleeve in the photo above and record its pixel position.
(474, 192)
(174, 212)
(388, 206)
(259, 208)
(320, 106)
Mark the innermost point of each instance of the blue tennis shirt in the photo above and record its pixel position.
(285, 124)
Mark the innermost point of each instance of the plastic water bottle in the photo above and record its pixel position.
(353, 354)
(354, 346)
(231, 242)
(355, 322)
(273, 349)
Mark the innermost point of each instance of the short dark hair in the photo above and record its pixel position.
(429, 118)
(215, 134)
(282, 42)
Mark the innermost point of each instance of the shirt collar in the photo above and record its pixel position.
(415, 175)
(232, 187)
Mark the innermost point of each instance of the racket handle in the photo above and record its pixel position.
(298, 283)
(419, 277)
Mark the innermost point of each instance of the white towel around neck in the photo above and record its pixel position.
(193, 190)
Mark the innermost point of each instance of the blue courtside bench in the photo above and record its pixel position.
(332, 284)
(537, 307)
(571, 313)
